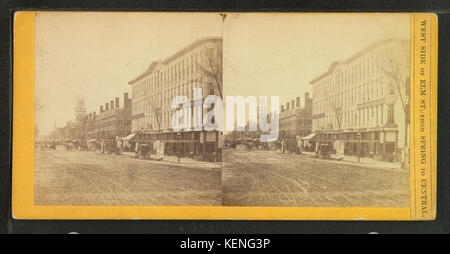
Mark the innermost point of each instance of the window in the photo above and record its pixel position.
(390, 113)
(376, 114)
(391, 89)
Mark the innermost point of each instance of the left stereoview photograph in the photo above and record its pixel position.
(104, 114)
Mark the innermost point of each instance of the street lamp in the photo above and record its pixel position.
(359, 145)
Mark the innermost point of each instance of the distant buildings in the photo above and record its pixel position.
(295, 121)
(359, 102)
(80, 109)
(114, 120)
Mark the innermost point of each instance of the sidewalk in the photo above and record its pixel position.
(173, 160)
(353, 160)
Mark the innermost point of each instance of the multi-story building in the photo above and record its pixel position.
(178, 75)
(295, 121)
(364, 101)
(114, 120)
(90, 126)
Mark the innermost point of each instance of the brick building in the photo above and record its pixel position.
(295, 121)
(114, 119)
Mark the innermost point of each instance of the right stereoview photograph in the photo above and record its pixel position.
(337, 132)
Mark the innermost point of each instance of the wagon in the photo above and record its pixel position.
(324, 151)
(144, 151)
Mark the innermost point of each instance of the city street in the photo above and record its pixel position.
(250, 178)
(269, 178)
(91, 178)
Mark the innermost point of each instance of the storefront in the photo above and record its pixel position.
(378, 144)
(198, 145)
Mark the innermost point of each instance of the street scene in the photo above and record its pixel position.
(269, 178)
(103, 131)
(342, 108)
(72, 177)
(135, 116)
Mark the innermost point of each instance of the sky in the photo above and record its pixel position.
(94, 55)
(279, 54)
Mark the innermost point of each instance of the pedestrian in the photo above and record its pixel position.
(119, 147)
(102, 146)
(137, 149)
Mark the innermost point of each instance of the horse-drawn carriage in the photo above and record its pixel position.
(144, 151)
(323, 150)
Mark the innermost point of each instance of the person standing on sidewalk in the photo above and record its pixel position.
(102, 146)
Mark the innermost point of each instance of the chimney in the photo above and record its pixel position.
(308, 103)
(106, 106)
(112, 104)
(282, 108)
(297, 102)
(90, 115)
(117, 102)
(101, 109)
(125, 100)
(287, 105)
(94, 115)
(293, 104)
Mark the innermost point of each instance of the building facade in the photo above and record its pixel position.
(90, 126)
(295, 121)
(114, 120)
(364, 102)
(178, 75)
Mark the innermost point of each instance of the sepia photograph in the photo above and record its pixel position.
(342, 85)
(222, 109)
(104, 89)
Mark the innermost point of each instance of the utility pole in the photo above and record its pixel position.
(179, 146)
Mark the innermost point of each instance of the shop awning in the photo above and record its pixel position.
(91, 140)
(310, 136)
(129, 137)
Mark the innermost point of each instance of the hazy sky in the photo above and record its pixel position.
(279, 54)
(94, 55)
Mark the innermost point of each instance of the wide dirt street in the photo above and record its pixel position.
(91, 178)
(269, 178)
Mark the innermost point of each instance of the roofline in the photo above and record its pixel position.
(148, 71)
(191, 46)
(355, 56)
(180, 52)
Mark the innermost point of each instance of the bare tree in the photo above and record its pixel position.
(394, 65)
(338, 115)
(212, 67)
(158, 115)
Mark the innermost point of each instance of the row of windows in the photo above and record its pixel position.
(295, 123)
(150, 121)
(176, 79)
(368, 65)
(349, 98)
(178, 71)
(112, 123)
(164, 99)
(369, 116)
